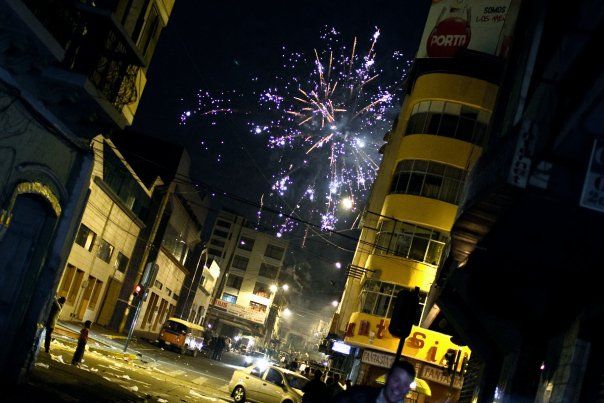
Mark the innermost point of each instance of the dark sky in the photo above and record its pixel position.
(221, 45)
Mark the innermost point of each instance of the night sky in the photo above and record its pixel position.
(221, 46)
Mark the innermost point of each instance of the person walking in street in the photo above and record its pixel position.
(315, 390)
(51, 321)
(348, 384)
(219, 345)
(398, 383)
(334, 388)
(82, 340)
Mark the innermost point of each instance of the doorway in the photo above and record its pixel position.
(23, 252)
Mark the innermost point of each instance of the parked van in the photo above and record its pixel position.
(181, 336)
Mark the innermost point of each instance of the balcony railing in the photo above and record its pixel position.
(94, 46)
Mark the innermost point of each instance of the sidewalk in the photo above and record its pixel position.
(52, 381)
(98, 340)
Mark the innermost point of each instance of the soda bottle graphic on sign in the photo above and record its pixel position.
(451, 31)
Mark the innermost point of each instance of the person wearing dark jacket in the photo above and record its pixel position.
(333, 387)
(315, 390)
(81, 348)
(51, 321)
(398, 383)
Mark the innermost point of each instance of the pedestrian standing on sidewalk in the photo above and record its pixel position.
(82, 340)
(51, 322)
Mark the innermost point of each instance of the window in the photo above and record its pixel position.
(246, 243)
(175, 296)
(273, 376)
(221, 234)
(150, 32)
(67, 279)
(217, 242)
(95, 292)
(234, 281)
(75, 286)
(449, 119)
(169, 291)
(257, 371)
(85, 237)
(214, 252)
(378, 298)
(125, 186)
(409, 241)
(105, 251)
(159, 285)
(224, 224)
(268, 271)
(257, 307)
(428, 179)
(274, 251)
(229, 298)
(175, 243)
(240, 262)
(262, 290)
(121, 263)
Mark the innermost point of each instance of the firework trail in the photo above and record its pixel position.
(326, 117)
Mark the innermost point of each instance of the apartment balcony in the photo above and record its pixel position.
(76, 58)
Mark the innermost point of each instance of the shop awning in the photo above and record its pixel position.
(419, 385)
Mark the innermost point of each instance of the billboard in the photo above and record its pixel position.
(480, 25)
(241, 311)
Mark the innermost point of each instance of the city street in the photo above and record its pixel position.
(157, 375)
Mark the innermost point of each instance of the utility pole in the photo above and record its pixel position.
(148, 246)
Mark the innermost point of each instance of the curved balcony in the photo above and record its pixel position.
(402, 271)
(420, 210)
(445, 150)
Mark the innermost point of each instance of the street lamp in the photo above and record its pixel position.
(338, 265)
(285, 287)
(334, 303)
(273, 288)
(287, 312)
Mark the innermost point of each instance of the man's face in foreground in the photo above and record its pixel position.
(397, 385)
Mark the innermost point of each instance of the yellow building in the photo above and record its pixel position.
(434, 143)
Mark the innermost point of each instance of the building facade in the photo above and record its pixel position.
(171, 239)
(521, 284)
(252, 261)
(68, 71)
(433, 145)
(115, 212)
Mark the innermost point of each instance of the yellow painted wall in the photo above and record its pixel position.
(445, 150)
(452, 87)
(401, 271)
(422, 344)
(420, 210)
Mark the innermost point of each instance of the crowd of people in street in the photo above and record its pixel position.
(323, 385)
(322, 389)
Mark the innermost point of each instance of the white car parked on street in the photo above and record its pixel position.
(266, 384)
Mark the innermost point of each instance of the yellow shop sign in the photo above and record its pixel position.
(429, 346)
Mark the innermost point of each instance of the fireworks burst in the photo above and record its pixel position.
(328, 115)
(323, 117)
